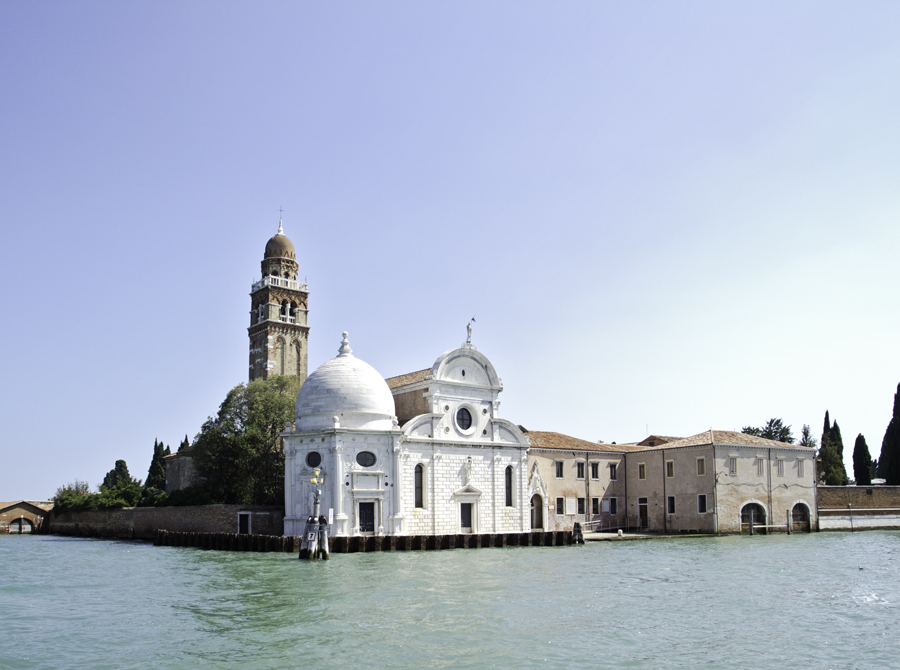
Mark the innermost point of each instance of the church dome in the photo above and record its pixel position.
(347, 388)
(279, 246)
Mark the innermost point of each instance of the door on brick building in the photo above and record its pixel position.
(800, 518)
(537, 512)
(20, 526)
(643, 515)
(465, 517)
(366, 517)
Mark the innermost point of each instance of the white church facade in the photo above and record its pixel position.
(448, 465)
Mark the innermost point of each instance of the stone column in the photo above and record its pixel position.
(337, 481)
(397, 518)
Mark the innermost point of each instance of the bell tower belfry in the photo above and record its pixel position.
(279, 335)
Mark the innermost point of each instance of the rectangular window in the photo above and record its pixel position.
(613, 506)
(642, 471)
(560, 506)
(559, 469)
(595, 471)
(701, 467)
(670, 504)
(670, 468)
(570, 506)
(581, 508)
(732, 465)
(800, 468)
(606, 505)
(613, 470)
(595, 505)
(579, 470)
(419, 485)
(701, 503)
(760, 466)
(780, 465)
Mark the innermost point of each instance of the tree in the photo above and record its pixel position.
(239, 455)
(831, 455)
(773, 430)
(889, 460)
(862, 462)
(156, 475)
(118, 475)
(119, 488)
(185, 444)
(806, 437)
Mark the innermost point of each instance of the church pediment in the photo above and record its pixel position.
(467, 490)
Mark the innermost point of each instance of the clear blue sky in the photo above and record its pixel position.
(664, 216)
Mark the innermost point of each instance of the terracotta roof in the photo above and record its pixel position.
(547, 440)
(408, 378)
(45, 505)
(725, 437)
(658, 438)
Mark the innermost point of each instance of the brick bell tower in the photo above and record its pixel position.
(279, 336)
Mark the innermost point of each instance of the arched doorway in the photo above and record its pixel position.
(20, 527)
(753, 513)
(537, 512)
(800, 518)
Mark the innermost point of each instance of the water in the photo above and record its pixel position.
(763, 602)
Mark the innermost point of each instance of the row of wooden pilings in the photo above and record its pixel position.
(369, 543)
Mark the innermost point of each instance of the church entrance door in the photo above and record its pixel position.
(366, 517)
(537, 512)
(465, 517)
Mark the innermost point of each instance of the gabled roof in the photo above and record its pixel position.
(408, 378)
(548, 440)
(727, 438)
(657, 440)
(43, 505)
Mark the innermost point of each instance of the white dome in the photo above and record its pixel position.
(347, 388)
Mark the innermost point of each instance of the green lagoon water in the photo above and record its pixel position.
(798, 601)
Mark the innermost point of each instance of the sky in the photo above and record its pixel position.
(664, 216)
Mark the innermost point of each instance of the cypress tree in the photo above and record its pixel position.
(831, 455)
(862, 462)
(889, 461)
(156, 476)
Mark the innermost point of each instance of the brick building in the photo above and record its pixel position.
(24, 516)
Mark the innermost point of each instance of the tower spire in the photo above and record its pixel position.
(280, 229)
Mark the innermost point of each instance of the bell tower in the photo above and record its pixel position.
(279, 336)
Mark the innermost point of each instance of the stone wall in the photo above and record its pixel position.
(858, 507)
(143, 522)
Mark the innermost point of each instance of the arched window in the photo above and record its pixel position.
(297, 357)
(509, 486)
(419, 479)
(279, 355)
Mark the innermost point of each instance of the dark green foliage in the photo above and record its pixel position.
(119, 488)
(874, 468)
(119, 474)
(238, 454)
(831, 455)
(185, 444)
(156, 475)
(190, 496)
(806, 437)
(862, 462)
(889, 461)
(773, 430)
(73, 497)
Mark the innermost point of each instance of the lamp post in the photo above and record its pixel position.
(315, 538)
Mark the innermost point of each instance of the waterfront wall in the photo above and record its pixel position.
(143, 522)
(858, 507)
(366, 543)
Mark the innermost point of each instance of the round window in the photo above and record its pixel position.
(313, 459)
(463, 418)
(365, 459)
